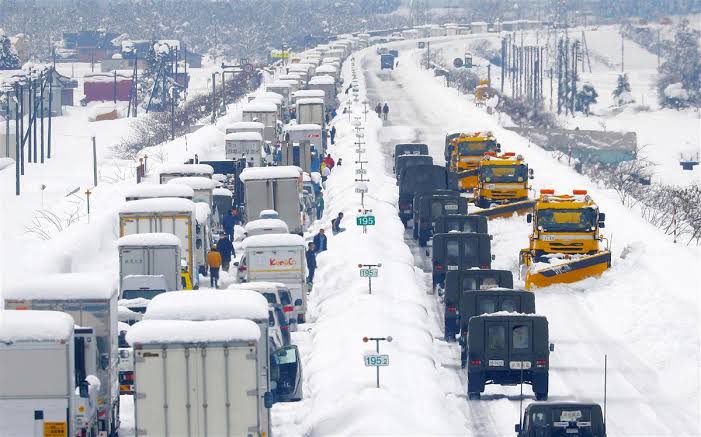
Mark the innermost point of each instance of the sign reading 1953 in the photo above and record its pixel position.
(365, 220)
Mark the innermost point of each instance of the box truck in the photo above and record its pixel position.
(277, 258)
(277, 188)
(168, 215)
(170, 171)
(264, 112)
(40, 376)
(150, 255)
(246, 146)
(327, 84)
(311, 110)
(91, 300)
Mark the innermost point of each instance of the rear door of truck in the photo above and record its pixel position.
(162, 261)
(286, 195)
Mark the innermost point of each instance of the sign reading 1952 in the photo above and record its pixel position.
(365, 220)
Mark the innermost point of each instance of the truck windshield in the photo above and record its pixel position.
(567, 220)
(475, 148)
(503, 173)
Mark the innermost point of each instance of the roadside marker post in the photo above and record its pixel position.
(369, 271)
(376, 360)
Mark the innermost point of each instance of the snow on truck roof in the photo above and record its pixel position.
(326, 68)
(185, 331)
(187, 168)
(269, 95)
(278, 84)
(165, 204)
(302, 127)
(157, 190)
(35, 326)
(222, 192)
(207, 305)
(322, 80)
(62, 286)
(273, 240)
(310, 101)
(280, 172)
(308, 93)
(260, 106)
(195, 182)
(149, 239)
(246, 125)
(259, 224)
(244, 136)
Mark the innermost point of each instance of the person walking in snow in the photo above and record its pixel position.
(329, 162)
(325, 173)
(333, 134)
(320, 241)
(229, 223)
(214, 263)
(385, 110)
(226, 250)
(378, 109)
(319, 205)
(310, 254)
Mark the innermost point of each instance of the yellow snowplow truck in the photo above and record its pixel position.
(565, 243)
(502, 185)
(465, 151)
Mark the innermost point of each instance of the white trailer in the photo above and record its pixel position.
(329, 70)
(264, 112)
(311, 111)
(298, 133)
(91, 300)
(246, 146)
(266, 226)
(278, 258)
(309, 93)
(327, 84)
(245, 126)
(170, 171)
(149, 254)
(169, 215)
(277, 188)
(282, 88)
(153, 191)
(196, 378)
(201, 186)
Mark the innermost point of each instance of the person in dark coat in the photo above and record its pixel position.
(336, 224)
(320, 241)
(311, 262)
(333, 134)
(378, 109)
(228, 223)
(226, 250)
(385, 110)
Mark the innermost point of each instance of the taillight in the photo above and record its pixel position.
(540, 363)
(464, 333)
(475, 362)
(438, 267)
(129, 376)
(287, 309)
(451, 309)
(484, 266)
(242, 268)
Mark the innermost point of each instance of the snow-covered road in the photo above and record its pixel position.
(643, 313)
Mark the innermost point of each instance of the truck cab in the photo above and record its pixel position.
(428, 206)
(386, 61)
(402, 149)
(466, 152)
(417, 178)
(553, 419)
(403, 161)
(457, 282)
(460, 223)
(502, 179)
(507, 349)
(459, 251)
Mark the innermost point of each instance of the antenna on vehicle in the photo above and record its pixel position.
(605, 372)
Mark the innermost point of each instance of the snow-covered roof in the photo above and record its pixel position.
(306, 177)
(279, 84)
(322, 80)
(257, 286)
(300, 127)
(326, 68)
(121, 326)
(244, 136)
(290, 76)
(263, 224)
(310, 101)
(149, 239)
(157, 190)
(269, 95)
(299, 67)
(260, 106)
(222, 192)
(268, 213)
(331, 59)
(187, 168)
(280, 172)
(195, 182)
(61, 286)
(273, 240)
(316, 177)
(308, 93)
(185, 331)
(207, 305)
(246, 125)
(35, 326)
(165, 204)
(202, 212)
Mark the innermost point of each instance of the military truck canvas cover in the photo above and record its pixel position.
(459, 281)
(403, 161)
(423, 178)
(476, 302)
(461, 251)
(410, 149)
(438, 203)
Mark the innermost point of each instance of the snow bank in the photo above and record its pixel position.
(6, 162)
(187, 169)
(285, 171)
(244, 136)
(273, 240)
(35, 326)
(149, 191)
(207, 305)
(184, 331)
(63, 286)
(149, 239)
(266, 225)
(194, 182)
(168, 204)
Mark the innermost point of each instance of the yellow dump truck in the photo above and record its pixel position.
(565, 245)
(502, 185)
(465, 152)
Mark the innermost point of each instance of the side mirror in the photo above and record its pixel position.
(104, 361)
(268, 400)
(236, 263)
(198, 229)
(602, 217)
(83, 389)
(602, 224)
(552, 347)
(491, 237)
(198, 243)
(517, 427)
(298, 302)
(529, 218)
(494, 257)
(531, 176)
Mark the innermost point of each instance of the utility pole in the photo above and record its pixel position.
(214, 97)
(503, 63)
(17, 143)
(51, 95)
(41, 111)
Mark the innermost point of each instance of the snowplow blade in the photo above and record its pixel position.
(506, 209)
(573, 271)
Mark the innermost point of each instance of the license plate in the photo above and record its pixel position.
(548, 238)
(406, 210)
(520, 365)
(452, 267)
(496, 363)
(451, 207)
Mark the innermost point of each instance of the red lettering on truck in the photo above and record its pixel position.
(282, 262)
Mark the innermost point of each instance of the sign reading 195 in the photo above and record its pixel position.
(376, 360)
(365, 220)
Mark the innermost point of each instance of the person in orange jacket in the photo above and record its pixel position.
(214, 263)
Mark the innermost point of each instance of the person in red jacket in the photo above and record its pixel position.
(329, 162)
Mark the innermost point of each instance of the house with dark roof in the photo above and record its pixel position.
(88, 45)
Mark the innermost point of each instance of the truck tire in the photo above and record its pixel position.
(475, 384)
